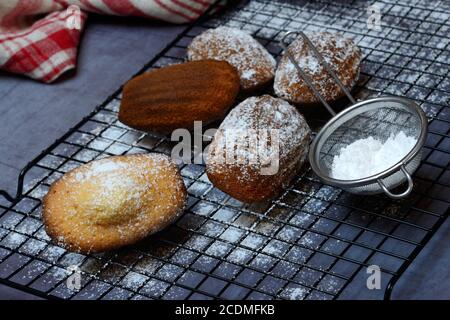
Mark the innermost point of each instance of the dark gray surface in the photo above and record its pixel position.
(33, 115)
(429, 276)
(7, 293)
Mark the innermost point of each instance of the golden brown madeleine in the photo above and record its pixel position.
(173, 97)
(255, 64)
(113, 202)
(244, 165)
(341, 54)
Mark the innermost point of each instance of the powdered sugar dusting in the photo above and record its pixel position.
(369, 156)
(264, 113)
(248, 74)
(116, 181)
(339, 52)
(116, 197)
(294, 293)
(255, 64)
(260, 114)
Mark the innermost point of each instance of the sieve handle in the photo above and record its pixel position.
(323, 62)
(401, 195)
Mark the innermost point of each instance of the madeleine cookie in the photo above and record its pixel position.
(341, 54)
(259, 147)
(254, 63)
(173, 97)
(113, 202)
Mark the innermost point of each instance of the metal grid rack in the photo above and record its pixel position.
(312, 242)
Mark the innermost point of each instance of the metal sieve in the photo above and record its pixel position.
(378, 118)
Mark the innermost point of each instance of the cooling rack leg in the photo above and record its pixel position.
(20, 180)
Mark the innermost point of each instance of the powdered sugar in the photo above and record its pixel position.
(259, 115)
(116, 183)
(96, 168)
(248, 74)
(339, 52)
(115, 198)
(253, 62)
(369, 156)
(106, 165)
(258, 149)
(294, 293)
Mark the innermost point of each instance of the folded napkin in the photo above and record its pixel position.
(39, 38)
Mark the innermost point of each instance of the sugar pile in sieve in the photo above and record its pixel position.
(369, 156)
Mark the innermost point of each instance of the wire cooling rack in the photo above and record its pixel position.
(314, 241)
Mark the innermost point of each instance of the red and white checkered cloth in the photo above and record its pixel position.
(39, 38)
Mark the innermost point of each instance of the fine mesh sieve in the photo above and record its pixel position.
(378, 118)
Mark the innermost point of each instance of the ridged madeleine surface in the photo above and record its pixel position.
(174, 97)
